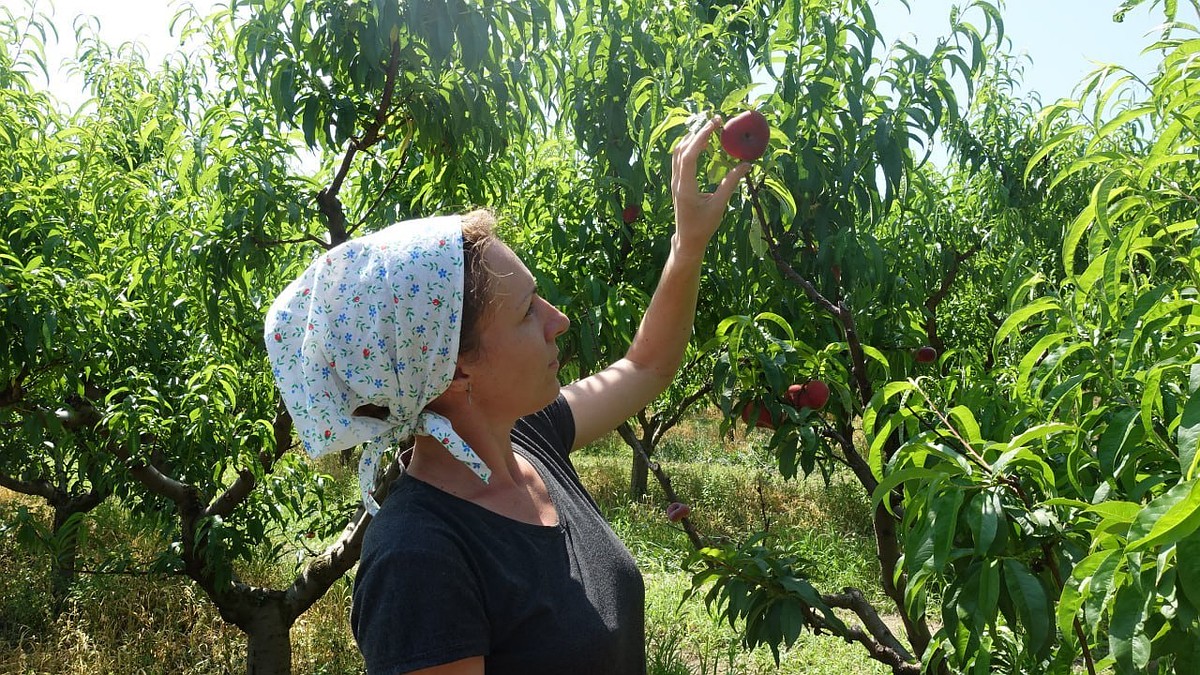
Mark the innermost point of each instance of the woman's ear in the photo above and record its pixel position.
(460, 386)
(462, 378)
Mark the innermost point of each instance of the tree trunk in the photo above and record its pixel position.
(62, 571)
(640, 471)
(639, 477)
(68, 514)
(269, 650)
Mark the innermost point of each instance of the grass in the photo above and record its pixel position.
(135, 624)
(734, 490)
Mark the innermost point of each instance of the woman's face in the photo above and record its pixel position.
(514, 371)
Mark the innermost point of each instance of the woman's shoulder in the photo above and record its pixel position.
(550, 429)
(416, 513)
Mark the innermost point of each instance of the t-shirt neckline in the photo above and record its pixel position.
(551, 489)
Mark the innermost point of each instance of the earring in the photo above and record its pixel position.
(469, 394)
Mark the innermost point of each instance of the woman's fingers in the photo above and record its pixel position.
(724, 191)
(688, 150)
(686, 157)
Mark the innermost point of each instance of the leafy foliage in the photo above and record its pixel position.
(1079, 505)
(1035, 486)
(763, 587)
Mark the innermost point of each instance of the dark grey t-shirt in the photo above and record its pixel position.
(442, 579)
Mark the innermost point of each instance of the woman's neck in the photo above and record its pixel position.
(515, 489)
(433, 463)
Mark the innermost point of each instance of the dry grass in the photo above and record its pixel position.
(139, 623)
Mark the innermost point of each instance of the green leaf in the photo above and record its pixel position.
(1149, 517)
(1049, 145)
(984, 514)
(1116, 510)
(943, 520)
(878, 440)
(896, 478)
(1023, 457)
(792, 621)
(1127, 640)
(1187, 551)
(1074, 234)
(1077, 589)
(675, 117)
(989, 592)
(1122, 432)
(1101, 588)
(787, 201)
(1187, 656)
(778, 321)
(1034, 356)
(1117, 122)
(878, 437)
(1019, 317)
(968, 426)
(1038, 432)
(1103, 194)
(1029, 599)
(1152, 399)
(877, 356)
(1188, 437)
(880, 401)
(312, 105)
(812, 598)
(1181, 519)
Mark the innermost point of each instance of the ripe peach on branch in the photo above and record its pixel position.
(677, 511)
(813, 394)
(745, 136)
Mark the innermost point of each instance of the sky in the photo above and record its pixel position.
(1064, 38)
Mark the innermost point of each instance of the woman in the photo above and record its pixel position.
(488, 555)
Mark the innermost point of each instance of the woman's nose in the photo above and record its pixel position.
(558, 323)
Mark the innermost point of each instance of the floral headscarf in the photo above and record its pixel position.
(374, 321)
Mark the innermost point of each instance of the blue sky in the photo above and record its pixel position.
(1062, 37)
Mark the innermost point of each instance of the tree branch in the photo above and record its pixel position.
(877, 638)
(664, 425)
(932, 302)
(71, 418)
(34, 488)
(854, 459)
(245, 483)
(663, 480)
(280, 242)
(325, 569)
(853, 600)
(968, 449)
(386, 186)
(327, 199)
(886, 536)
(839, 311)
(234, 495)
(158, 482)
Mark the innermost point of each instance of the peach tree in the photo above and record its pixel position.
(146, 232)
(1037, 479)
(1072, 511)
(859, 244)
(596, 214)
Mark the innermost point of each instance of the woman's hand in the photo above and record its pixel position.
(698, 214)
(604, 400)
